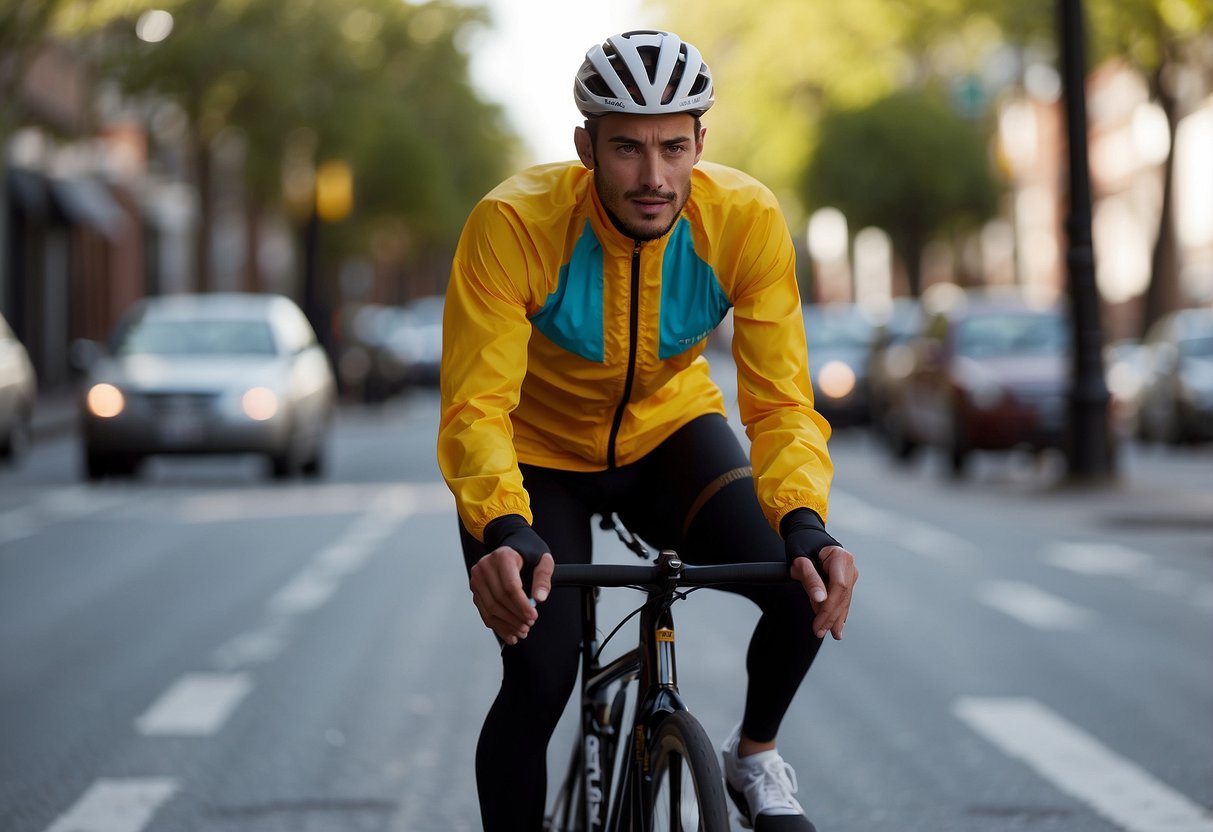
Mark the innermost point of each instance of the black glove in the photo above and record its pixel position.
(804, 536)
(513, 530)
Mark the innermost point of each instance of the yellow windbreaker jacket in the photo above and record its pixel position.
(568, 345)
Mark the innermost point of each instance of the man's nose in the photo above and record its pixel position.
(651, 173)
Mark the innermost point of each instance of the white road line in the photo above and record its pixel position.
(848, 512)
(111, 805)
(314, 500)
(932, 542)
(255, 646)
(1034, 606)
(17, 524)
(1097, 559)
(1142, 569)
(1080, 766)
(306, 591)
(197, 704)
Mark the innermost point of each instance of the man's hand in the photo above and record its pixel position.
(496, 582)
(832, 603)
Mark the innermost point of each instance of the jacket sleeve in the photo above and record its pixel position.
(792, 466)
(484, 358)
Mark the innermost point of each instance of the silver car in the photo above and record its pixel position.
(18, 388)
(1177, 394)
(209, 374)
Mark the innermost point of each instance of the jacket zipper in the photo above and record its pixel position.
(633, 336)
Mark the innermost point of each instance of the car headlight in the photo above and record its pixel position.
(836, 379)
(105, 401)
(259, 403)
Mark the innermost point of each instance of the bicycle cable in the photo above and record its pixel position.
(675, 595)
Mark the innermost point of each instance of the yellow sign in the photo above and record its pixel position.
(665, 635)
(334, 191)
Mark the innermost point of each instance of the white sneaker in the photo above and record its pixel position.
(762, 786)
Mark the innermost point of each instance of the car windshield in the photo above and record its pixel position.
(995, 335)
(837, 329)
(198, 337)
(1201, 347)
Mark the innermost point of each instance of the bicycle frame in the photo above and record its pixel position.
(593, 797)
(651, 663)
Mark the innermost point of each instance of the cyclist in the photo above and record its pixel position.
(580, 301)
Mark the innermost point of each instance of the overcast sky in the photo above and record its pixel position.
(528, 61)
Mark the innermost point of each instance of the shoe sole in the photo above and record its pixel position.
(739, 802)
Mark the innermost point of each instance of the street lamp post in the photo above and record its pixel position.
(332, 200)
(1089, 449)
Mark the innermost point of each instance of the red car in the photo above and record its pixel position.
(986, 373)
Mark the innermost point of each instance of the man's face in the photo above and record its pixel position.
(642, 168)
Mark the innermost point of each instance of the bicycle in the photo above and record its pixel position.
(669, 778)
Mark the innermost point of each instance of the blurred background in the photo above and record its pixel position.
(330, 150)
(225, 231)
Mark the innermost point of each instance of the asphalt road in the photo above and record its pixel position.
(202, 649)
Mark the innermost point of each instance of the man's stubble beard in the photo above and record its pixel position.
(639, 234)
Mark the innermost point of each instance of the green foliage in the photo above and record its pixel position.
(379, 84)
(904, 163)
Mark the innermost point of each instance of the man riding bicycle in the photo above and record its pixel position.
(573, 383)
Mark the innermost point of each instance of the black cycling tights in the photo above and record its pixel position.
(653, 497)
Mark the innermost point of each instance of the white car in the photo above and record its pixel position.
(18, 386)
(209, 374)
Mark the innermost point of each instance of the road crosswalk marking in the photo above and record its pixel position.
(197, 704)
(1080, 766)
(1034, 606)
(1113, 560)
(116, 805)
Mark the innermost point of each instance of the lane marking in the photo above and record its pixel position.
(1033, 606)
(112, 805)
(1097, 559)
(17, 524)
(1080, 766)
(306, 591)
(197, 704)
(1115, 561)
(53, 506)
(314, 500)
(849, 512)
(256, 646)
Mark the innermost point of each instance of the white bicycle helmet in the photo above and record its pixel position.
(643, 72)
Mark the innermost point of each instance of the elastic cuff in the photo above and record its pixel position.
(801, 518)
(499, 528)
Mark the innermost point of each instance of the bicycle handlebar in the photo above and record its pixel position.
(651, 576)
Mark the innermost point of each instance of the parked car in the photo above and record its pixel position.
(1126, 367)
(839, 338)
(891, 358)
(388, 349)
(1177, 392)
(419, 341)
(209, 374)
(18, 392)
(988, 372)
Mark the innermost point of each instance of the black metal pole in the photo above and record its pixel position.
(1089, 450)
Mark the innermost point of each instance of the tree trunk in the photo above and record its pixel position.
(912, 248)
(1162, 293)
(252, 242)
(202, 229)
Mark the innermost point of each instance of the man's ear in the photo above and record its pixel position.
(585, 146)
(703, 131)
